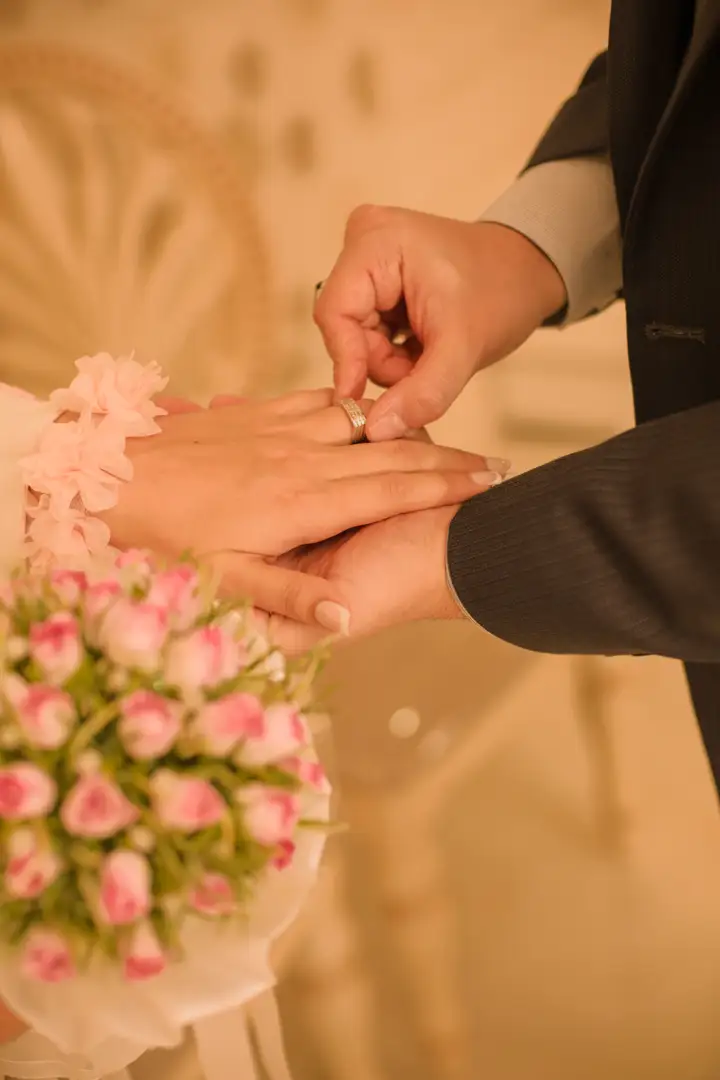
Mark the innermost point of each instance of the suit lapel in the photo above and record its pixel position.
(705, 30)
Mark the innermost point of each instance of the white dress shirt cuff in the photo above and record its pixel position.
(569, 210)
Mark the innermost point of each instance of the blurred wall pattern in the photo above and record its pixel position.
(530, 889)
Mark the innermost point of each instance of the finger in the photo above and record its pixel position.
(389, 368)
(222, 401)
(292, 637)
(174, 405)
(331, 427)
(277, 590)
(360, 500)
(405, 455)
(436, 379)
(301, 402)
(366, 280)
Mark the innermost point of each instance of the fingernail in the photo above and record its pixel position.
(333, 617)
(498, 464)
(486, 479)
(389, 426)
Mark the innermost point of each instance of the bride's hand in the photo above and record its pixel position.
(259, 478)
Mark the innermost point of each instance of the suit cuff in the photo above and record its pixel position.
(568, 209)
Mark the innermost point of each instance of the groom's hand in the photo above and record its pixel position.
(469, 293)
(389, 573)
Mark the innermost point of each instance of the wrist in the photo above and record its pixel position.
(444, 600)
(537, 279)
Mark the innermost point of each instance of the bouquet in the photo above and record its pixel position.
(162, 808)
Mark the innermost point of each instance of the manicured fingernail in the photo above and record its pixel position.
(333, 617)
(498, 464)
(486, 479)
(389, 426)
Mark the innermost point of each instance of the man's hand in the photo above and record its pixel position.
(389, 573)
(470, 293)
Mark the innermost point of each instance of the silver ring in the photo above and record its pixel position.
(356, 417)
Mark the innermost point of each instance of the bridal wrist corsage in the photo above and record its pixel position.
(80, 461)
(162, 807)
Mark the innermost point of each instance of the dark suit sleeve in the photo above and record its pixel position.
(581, 128)
(613, 550)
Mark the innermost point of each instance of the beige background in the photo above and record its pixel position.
(174, 176)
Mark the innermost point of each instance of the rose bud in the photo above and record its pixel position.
(309, 772)
(26, 792)
(69, 585)
(285, 732)
(44, 714)
(47, 956)
(149, 724)
(284, 854)
(213, 895)
(124, 888)
(177, 591)
(96, 807)
(31, 866)
(222, 724)
(205, 657)
(144, 958)
(56, 648)
(270, 814)
(98, 598)
(133, 634)
(186, 803)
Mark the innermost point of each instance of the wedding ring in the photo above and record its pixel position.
(356, 417)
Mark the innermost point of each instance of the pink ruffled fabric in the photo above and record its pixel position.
(78, 466)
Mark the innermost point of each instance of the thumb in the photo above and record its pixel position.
(426, 393)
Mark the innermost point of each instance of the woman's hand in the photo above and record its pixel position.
(253, 480)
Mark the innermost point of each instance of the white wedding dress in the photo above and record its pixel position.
(214, 995)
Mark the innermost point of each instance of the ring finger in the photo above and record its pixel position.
(331, 426)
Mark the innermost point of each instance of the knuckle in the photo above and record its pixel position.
(364, 217)
(293, 597)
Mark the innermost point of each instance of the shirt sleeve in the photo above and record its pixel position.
(568, 209)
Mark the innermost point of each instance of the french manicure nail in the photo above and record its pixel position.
(333, 617)
(389, 426)
(500, 465)
(486, 479)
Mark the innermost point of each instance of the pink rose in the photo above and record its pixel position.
(284, 855)
(177, 592)
(223, 723)
(56, 648)
(26, 792)
(144, 958)
(44, 713)
(95, 807)
(47, 956)
(309, 772)
(149, 724)
(205, 657)
(135, 559)
(99, 596)
(185, 803)
(69, 585)
(122, 389)
(271, 814)
(213, 896)
(124, 888)
(31, 867)
(133, 634)
(284, 734)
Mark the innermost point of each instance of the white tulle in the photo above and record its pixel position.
(96, 1025)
